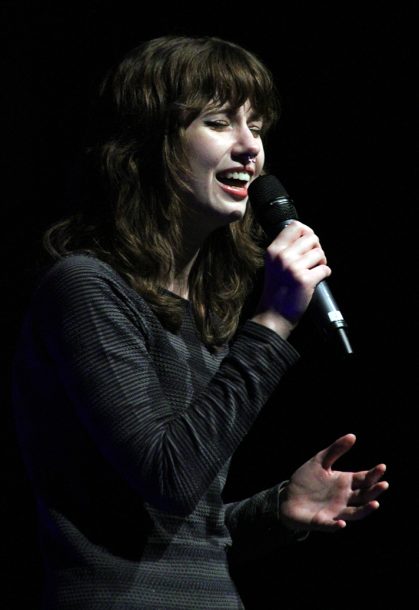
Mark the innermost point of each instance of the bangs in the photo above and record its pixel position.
(223, 74)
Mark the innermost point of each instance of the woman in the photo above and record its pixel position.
(134, 383)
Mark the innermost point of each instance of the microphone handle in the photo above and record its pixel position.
(329, 317)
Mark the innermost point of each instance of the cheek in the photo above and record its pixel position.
(260, 161)
(204, 152)
(198, 157)
(201, 160)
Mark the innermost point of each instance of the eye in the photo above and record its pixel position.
(217, 124)
(256, 130)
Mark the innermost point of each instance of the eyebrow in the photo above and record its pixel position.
(253, 116)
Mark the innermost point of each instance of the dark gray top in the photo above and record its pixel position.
(127, 430)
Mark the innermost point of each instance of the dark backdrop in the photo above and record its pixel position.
(344, 151)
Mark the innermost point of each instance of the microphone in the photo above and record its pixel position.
(274, 209)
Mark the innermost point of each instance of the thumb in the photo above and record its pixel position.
(332, 453)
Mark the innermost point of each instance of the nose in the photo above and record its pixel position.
(246, 145)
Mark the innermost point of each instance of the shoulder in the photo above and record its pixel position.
(80, 272)
(80, 280)
(78, 267)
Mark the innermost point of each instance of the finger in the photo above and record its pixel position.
(304, 244)
(363, 496)
(366, 478)
(293, 231)
(330, 525)
(306, 255)
(332, 453)
(356, 513)
(304, 259)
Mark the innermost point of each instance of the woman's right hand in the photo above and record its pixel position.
(294, 264)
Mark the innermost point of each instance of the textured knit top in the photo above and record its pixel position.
(127, 430)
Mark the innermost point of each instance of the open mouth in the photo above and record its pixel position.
(234, 183)
(239, 180)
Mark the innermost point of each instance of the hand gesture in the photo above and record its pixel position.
(320, 498)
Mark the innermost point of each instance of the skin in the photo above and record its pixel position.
(317, 497)
(320, 498)
(216, 140)
(219, 140)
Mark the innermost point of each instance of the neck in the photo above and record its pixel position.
(194, 234)
(191, 244)
(180, 283)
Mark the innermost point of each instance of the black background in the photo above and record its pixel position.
(344, 149)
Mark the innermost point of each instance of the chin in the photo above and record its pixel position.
(226, 217)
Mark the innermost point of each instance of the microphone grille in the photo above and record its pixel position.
(270, 201)
(266, 188)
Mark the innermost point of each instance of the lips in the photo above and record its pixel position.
(234, 182)
(238, 192)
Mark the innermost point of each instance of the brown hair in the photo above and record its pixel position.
(132, 218)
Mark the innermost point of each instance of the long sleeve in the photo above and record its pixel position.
(127, 430)
(255, 526)
(98, 335)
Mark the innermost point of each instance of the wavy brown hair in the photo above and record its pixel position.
(136, 171)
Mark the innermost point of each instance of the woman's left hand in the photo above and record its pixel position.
(319, 498)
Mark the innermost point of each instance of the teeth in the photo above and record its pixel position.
(237, 176)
